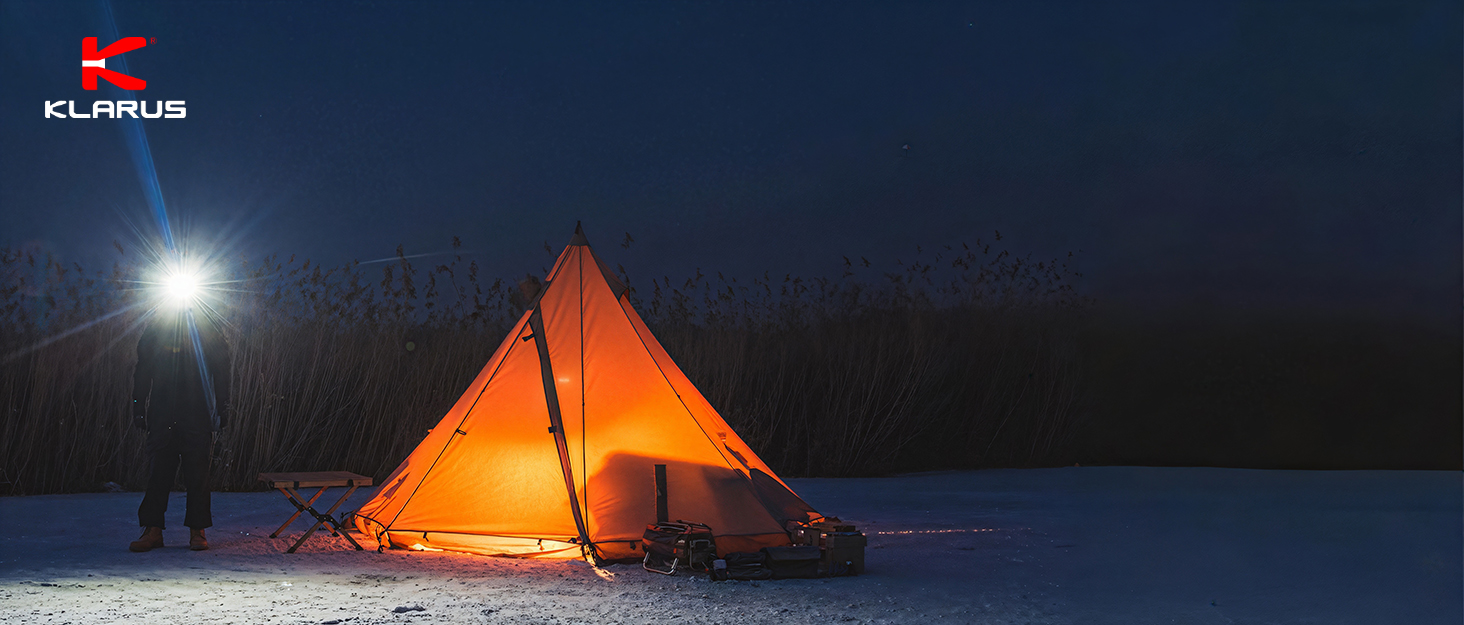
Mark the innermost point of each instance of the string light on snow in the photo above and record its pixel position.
(950, 531)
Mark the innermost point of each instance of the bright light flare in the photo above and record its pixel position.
(182, 287)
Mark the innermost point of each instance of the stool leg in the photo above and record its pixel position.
(307, 534)
(330, 516)
(330, 520)
(296, 501)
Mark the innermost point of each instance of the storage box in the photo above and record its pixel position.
(843, 554)
(841, 545)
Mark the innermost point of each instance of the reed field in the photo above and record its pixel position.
(348, 367)
(965, 356)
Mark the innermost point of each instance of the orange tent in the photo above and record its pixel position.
(551, 451)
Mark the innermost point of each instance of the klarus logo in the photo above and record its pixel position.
(94, 66)
(94, 63)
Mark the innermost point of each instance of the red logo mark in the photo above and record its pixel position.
(94, 63)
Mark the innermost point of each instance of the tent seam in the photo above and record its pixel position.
(584, 432)
(547, 280)
(673, 388)
(452, 437)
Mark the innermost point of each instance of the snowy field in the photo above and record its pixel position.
(1075, 545)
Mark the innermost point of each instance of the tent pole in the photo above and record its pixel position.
(662, 513)
(556, 427)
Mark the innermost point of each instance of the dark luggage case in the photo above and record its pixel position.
(793, 562)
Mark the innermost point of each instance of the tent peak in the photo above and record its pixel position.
(579, 235)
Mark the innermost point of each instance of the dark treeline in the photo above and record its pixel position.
(965, 357)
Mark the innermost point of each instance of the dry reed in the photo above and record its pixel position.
(965, 359)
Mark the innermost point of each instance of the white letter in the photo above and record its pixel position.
(97, 109)
(127, 106)
(176, 106)
(51, 109)
(154, 115)
(71, 108)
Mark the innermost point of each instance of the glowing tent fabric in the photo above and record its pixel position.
(550, 452)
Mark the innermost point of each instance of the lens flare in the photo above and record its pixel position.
(182, 287)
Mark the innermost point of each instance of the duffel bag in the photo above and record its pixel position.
(741, 565)
(793, 562)
(670, 545)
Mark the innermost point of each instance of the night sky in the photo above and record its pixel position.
(1272, 155)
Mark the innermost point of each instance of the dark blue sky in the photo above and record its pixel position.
(1264, 154)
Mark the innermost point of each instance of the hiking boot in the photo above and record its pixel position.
(152, 538)
(196, 541)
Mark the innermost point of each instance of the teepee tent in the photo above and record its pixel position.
(551, 452)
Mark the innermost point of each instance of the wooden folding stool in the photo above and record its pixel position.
(291, 483)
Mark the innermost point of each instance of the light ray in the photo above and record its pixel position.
(408, 256)
(141, 319)
(56, 337)
(181, 279)
(140, 150)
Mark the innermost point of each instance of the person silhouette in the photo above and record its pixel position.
(180, 397)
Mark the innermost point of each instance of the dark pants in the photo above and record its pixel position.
(168, 448)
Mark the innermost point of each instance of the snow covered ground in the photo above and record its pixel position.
(1075, 545)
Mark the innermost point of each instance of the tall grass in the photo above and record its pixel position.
(962, 357)
(960, 360)
(65, 381)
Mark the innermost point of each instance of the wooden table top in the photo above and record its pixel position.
(313, 479)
